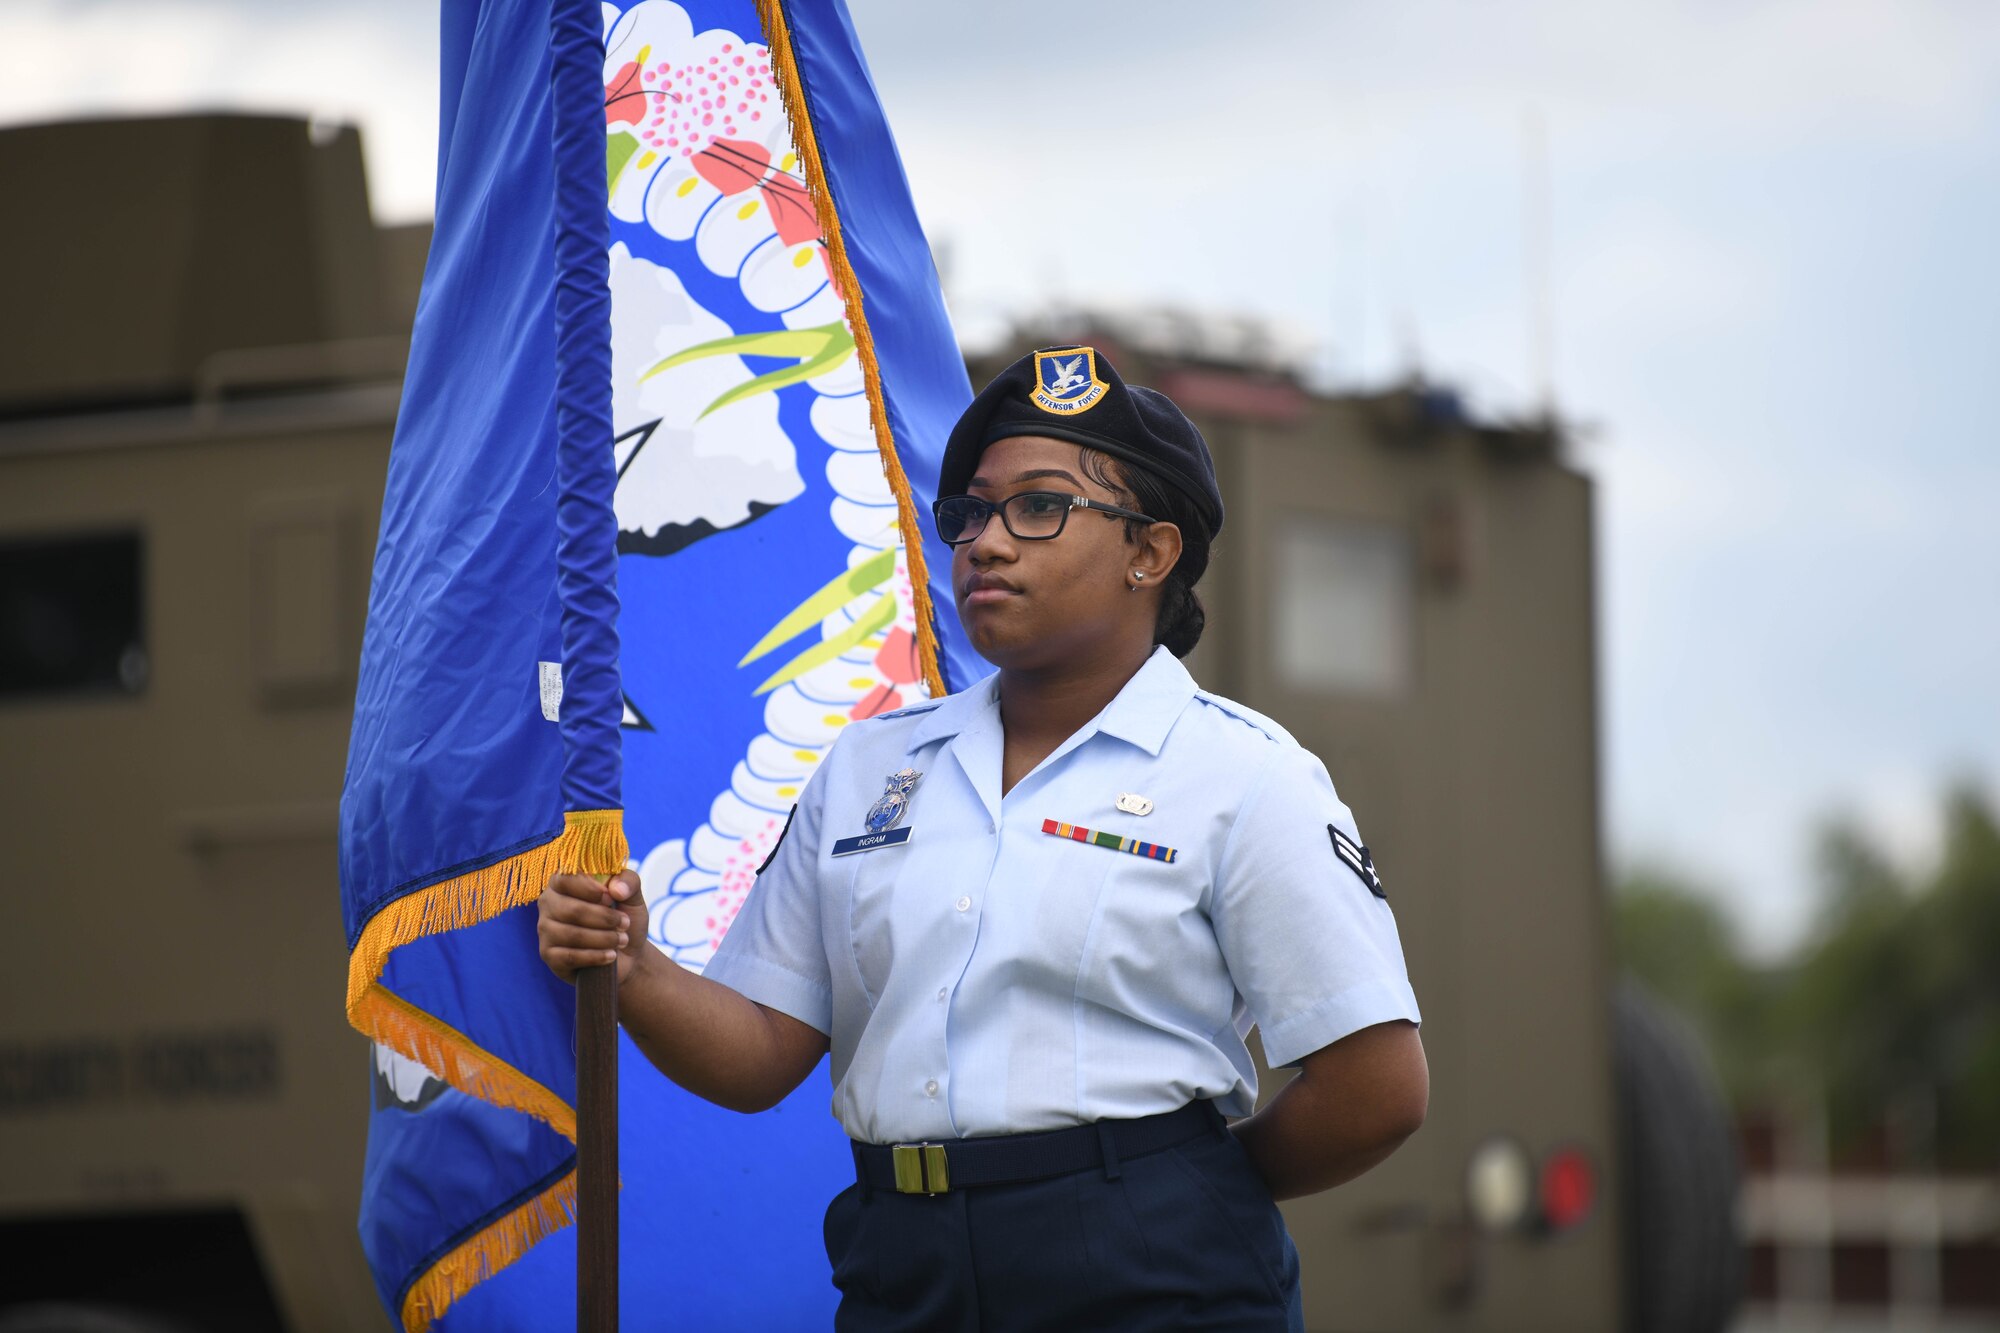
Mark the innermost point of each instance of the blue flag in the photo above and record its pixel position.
(678, 388)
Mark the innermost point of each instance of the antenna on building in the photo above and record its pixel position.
(1409, 345)
(1535, 260)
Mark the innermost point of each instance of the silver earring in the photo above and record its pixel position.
(1136, 574)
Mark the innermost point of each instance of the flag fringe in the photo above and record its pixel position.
(791, 94)
(592, 843)
(486, 1252)
(390, 1019)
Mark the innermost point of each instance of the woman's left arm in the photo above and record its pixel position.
(1352, 1104)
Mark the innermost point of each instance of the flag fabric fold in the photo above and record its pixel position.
(679, 385)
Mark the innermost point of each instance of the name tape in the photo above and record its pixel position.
(872, 842)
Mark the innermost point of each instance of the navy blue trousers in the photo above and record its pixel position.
(1182, 1239)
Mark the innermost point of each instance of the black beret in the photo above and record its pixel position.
(1073, 393)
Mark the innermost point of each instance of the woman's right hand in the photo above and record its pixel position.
(586, 923)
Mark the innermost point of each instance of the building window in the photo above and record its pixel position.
(1341, 603)
(72, 616)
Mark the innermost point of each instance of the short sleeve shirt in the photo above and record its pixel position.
(997, 971)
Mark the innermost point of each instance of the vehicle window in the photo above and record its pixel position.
(72, 615)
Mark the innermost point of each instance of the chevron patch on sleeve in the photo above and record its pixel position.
(1356, 858)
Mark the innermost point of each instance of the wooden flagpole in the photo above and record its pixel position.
(597, 1150)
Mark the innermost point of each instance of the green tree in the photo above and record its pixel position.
(1891, 1002)
(1895, 999)
(1676, 938)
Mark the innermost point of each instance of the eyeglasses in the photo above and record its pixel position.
(1032, 516)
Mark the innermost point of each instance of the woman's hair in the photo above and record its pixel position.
(1181, 616)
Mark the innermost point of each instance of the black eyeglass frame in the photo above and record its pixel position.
(1070, 502)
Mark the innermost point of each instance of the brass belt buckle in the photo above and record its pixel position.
(921, 1168)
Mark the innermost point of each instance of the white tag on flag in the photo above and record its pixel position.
(551, 690)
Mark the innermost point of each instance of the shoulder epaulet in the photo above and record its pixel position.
(914, 709)
(1248, 716)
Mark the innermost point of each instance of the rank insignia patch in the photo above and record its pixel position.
(1356, 858)
(1066, 381)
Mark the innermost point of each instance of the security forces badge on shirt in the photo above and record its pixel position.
(883, 817)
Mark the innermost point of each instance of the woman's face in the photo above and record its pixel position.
(1027, 605)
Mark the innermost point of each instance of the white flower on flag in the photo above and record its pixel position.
(697, 146)
(403, 1083)
(684, 473)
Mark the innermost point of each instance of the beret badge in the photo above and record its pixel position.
(1075, 393)
(1066, 381)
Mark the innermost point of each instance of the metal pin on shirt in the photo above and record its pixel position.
(1133, 804)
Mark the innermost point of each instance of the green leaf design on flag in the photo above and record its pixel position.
(865, 577)
(878, 617)
(619, 150)
(818, 350)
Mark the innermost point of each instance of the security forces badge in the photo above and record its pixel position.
(1066, 381)
(883, 816)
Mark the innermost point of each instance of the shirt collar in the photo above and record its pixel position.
(956, 712)
(1142, 713)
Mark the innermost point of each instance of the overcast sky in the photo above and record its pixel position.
(1772, 281)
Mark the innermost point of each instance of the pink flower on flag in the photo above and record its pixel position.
(699, 148)
(624, 102)
(735, 165)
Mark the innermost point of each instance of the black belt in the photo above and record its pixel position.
(1012, 1159)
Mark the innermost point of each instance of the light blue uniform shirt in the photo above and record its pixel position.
(985, 977)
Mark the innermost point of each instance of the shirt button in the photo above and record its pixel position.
(964, 904)
(930, 1088)
(941, 992)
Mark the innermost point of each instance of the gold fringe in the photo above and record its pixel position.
(452, 1056)
(486, 1253)
(596, 839)
(592, 843)
(790, 94)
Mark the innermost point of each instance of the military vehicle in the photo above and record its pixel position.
(197, 394)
